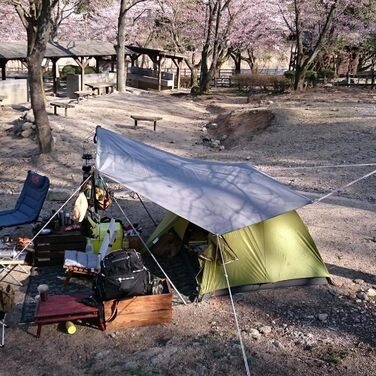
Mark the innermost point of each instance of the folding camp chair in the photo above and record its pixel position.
(27, 210)
(88, 263)
(29, 203)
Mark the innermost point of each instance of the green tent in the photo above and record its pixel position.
(228, 209)
(275, 252)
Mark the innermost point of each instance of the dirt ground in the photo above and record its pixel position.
(309, 141)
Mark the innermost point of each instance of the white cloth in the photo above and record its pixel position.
(80, 207)
(87, 260)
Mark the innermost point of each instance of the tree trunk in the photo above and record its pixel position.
(120, 65)
(34, 64)
(299, 79)
(194, 76)
(237, 57)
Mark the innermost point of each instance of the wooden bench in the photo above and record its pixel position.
(83, 94)
(154, 119)
(61, 105)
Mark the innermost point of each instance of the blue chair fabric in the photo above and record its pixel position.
(29, 203)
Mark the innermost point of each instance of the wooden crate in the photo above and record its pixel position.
(140, 310)
(49, 249)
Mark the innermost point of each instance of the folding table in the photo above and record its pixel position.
(61, 308)
(10, 260)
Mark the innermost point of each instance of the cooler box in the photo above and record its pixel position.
(103, 227)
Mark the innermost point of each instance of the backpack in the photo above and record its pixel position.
(122, 274)
(6, 298)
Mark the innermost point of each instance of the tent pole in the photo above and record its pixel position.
(233, 307)
(147, 248)
(146, 209)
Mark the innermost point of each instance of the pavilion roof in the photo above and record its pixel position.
(155, 52)
(90, 48)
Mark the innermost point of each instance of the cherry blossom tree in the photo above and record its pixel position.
(317, 24)
(35, 16)
(259, 29)
(180, 27)
(11, 28)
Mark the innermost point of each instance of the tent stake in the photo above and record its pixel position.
(233, 308)
(151, 254)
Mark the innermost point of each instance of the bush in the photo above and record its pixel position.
(75, 69)
(185, 81)
(265, 82)
(290, 74)
(195, 90)
(326, 74)
(70, 69)
(311, 77)
(89, 70)
(280, 83)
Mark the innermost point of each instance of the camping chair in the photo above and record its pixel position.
(29, 203)
(88, 263)
(27, 210)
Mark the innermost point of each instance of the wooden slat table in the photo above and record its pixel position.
(61, 308)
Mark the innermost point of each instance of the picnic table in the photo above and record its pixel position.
(138, 118)
(64, 105)
(108, 87)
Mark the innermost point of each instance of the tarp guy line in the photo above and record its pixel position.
(52, 217)
(324, 166)
(233, 308)
(345, 186)
(147, 248)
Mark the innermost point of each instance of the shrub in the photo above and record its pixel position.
(69, 69)
(88, 70)
(195, 90)
(326, 74)
(280, 83)
(311, 77)
(290, 74)
(185, 81)
(265, 82)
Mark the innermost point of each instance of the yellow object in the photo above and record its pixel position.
(103, 228)
(71, 328)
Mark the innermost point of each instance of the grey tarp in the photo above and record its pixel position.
(219, 197)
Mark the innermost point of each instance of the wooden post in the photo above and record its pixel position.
(54, 86)
(159, 62)
(178, 72)
(82, 63)
(97, 63)
(3, 70)
(113, 59)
